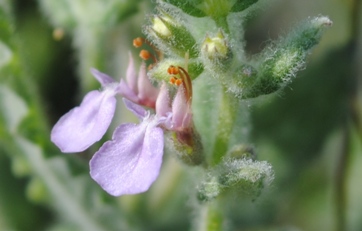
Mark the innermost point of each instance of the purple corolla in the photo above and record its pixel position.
(131, 161)
(86, 124)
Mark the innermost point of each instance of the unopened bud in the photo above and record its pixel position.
(246, 175)
(242, 152)
(243, 175)
(209, 189)
(215, 47)
(159, 26)
(171, 35)
(282, 60)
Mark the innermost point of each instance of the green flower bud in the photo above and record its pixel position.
(216, 48)
(283, 60)
(244, 175)
(209, 189)
(242, 151)
(171, 36)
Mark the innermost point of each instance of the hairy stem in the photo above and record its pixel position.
(211, 218)
(227, 111)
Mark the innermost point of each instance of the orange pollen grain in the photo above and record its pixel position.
(137, 42)
(173, 70)
(145, 55)
(178, 82)
(172, 80)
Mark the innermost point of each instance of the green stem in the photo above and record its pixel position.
(211, 218)
(227, 114)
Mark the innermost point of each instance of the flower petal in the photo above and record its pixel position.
(84, 125)
(101, 77)
(131, 162)
(131, 76)
(147, 93)
(181, 110)
(163, 101)
(126, 92)
(136, 109)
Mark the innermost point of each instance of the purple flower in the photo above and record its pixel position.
(131, 161)
(84, 125)
(139, 90)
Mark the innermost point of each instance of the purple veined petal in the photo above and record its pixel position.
(136, 109)
(84, 125)
(131, 162)
(131, 76)
(163, 101)
(101, 77)
(147, 93)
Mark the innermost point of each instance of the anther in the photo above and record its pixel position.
(137, 42)
(173, 70)
(178, 82)
(172, 80)
(145, 55)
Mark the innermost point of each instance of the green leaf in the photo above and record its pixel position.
(189, 7)
(241, 5)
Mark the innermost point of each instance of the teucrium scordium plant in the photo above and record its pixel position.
(190, 100)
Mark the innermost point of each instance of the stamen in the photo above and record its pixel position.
(182, 77)
(186, 81)
(172, 70)
(145, 55)
(137, 42)
(172, 80)
(178, 82)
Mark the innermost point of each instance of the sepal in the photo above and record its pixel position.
(244, 175)
(170, 35)
(186, 145)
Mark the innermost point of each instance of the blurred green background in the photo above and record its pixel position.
(311, 132)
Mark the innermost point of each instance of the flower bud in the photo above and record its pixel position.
(287, 57)
(171, 36)
(209, 189)
(243, 175)
(216, 48)
(242, 151)
(246, 174)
